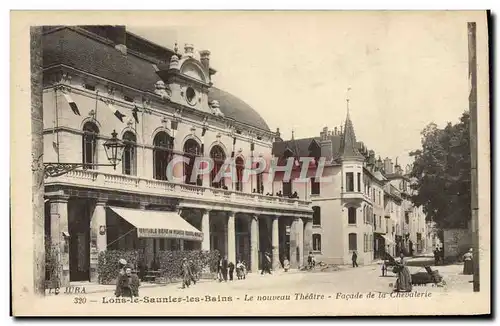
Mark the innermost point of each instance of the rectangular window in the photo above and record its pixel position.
(349, 181)
(260, 184)
(353, 241)
(89, 87)
(316, 215)
(374, 221)
(287, 189)
(315, 189)
(317, 242)
(359, 182)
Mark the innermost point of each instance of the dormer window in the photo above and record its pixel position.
(89, 87)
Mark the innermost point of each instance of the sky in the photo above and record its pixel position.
(404, 69)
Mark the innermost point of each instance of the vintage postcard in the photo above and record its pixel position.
(315, 163)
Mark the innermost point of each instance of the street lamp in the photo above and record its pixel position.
(114, 150)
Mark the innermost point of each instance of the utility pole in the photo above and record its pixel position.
(37, 161)
(471, 28)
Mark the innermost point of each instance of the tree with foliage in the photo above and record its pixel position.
(442, 170)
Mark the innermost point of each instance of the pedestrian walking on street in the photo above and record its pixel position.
(403, 283)
(194, 271)
(436, 256)
(310, 260)
(468, 263)
(231, 270)
(240, 270)
(186, 274)
(127, 284)
(224, 266)
(402, 259)
(266, 265)
(354, 259)
(122, 263)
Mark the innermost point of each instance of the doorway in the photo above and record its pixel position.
(79, 243)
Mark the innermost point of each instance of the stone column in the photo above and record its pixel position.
(294, 263)
(308, 247)
(149, 243)
(98, 237)
(275, 243)
(254, 243)
(205, 228)
(60, 239)
(231, 237)
(300, 242)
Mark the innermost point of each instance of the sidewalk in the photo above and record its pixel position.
(101, 288)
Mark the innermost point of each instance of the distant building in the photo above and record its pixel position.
(365, 207)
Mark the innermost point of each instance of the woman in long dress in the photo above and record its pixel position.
(403, 283)
(468, 263)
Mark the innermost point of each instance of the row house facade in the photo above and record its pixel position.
(365, 205)
(162, 104)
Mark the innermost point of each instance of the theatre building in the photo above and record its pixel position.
(162, 105)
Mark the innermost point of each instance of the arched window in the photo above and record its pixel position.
(218, 156)
(240, 167)
(129, 161)
(191, 150)
(89, 145)
(316, 215)
(353, 241)
(162, 154)
(351, 211)
(316, 242)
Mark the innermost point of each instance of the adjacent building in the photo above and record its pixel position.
(365, 205)
(103, 80)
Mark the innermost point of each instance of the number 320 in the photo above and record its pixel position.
(80, 300)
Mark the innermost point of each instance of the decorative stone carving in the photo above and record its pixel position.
(217, 137)
(188, 50)
(193, 130)
(164, 122)
(130, 122)
(214, 106)
(174, 62)
(162, 90)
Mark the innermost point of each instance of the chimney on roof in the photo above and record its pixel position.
(323, 133)
(188, 50)
(205, 59)
(387, 165)
(371, 158)
(335, 131)
(118, 35)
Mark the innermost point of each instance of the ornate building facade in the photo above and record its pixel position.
(162, 104)
(363, 207)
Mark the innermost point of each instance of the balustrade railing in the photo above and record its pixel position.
(127, 182)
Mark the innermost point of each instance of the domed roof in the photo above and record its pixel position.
(74, 49)
(234, 108)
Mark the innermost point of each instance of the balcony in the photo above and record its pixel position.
(209, 197)
(354, 196)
